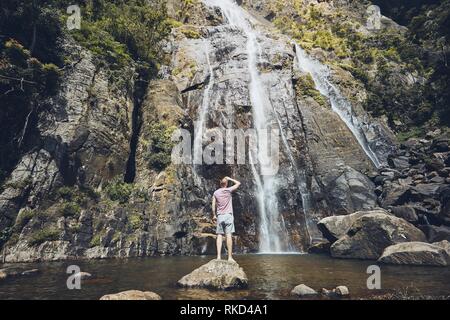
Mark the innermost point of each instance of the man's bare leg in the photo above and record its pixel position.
(230, 247)
(219, 246)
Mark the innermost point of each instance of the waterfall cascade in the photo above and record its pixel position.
(204, 108)
(273, 236)
(340, 105)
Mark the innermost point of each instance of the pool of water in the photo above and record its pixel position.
(270, 277)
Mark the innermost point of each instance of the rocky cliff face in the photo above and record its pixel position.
(67, 199)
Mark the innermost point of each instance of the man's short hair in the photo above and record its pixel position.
(223, 182)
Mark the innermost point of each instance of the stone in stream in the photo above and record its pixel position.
(335, 227)
(303, 290)
(372, 233)
(84, 275)
(338, 292)
(216, 274)
(14, 272)
(30, 272)
(342, 291)
(132, 295)
(417, 253)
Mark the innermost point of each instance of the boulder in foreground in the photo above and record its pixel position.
(216, 274)
(336, 227)
(303, 291)
(132, 295)
(416, 253)
(372, 233)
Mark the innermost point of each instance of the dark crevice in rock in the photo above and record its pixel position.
(197, 86)
(140, 90)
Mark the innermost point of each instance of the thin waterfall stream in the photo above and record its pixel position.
(272, 234)
(339, 104)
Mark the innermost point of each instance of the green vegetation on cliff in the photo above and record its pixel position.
(123, 36)
(405, 71)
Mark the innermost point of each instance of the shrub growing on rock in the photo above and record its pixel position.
(119, 191)
(70, 209)
(43, 235)
(160, 146)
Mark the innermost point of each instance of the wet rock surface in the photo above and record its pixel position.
(94, 137)
(372, 233)
(303, 290)
(335, 227)
(416, 253)
(216, 274)
(13, 272)
(132, 295)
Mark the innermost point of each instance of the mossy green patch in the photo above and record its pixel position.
(43, 235)
(160, 145)
(305, 87)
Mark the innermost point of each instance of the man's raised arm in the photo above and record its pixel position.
(236, 185)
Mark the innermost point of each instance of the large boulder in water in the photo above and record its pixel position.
(416, 253)
(372, 233)
(216, 274)
(336, 227)
(132, 295)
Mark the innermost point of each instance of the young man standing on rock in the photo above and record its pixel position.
(222, 205)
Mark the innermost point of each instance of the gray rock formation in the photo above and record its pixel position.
(12, 272)
(216, 274)
(322, 247)
(372, 233)
(303, 290)
(335, 227)
(56, 204)
(342, 291)
(338, 292)
(132, 295)
(416, 253)
(436, 233)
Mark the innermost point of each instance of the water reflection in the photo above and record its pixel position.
(270, 277)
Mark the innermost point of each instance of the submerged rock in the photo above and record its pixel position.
(338, 292)
(303, 290)
(322, 247)
(336, 227)
(372, 233)
(416, 253)
(216, 274)
(132, 295)
(16, 272)
(84, 275)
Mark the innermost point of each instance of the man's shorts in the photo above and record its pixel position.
(225, 224)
